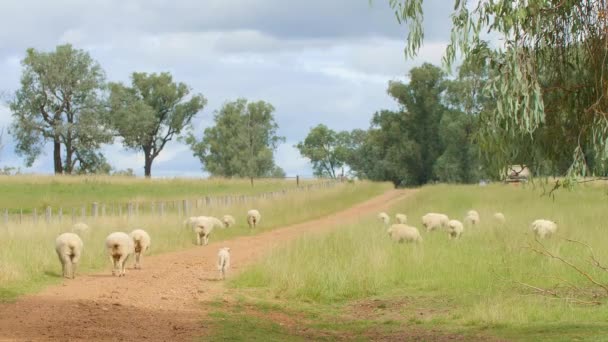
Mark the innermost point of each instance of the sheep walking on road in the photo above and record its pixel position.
(223, 261)
(119, 246)
(253, 218)
(141, 244)
(69, 249)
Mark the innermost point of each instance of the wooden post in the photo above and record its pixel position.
(130, 210)
(20, 216)
(35, 216)
(73, 215)
(60, 214)
(47, 215)
(83, 212)
(208, 201)
(162, 208)
(185, 207)
(251, 178)
(179, 210)
(95, 209)
(297, 180)
(103, 210)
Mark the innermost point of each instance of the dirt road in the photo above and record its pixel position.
(162, 302)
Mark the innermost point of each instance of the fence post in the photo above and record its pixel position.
(207, 201)
(83, 212)
(60, 214)
(185, 207)
(130, 210)
(35, 215)
(20, 216)
(73, 215)
(119, 210)
(297, 180)
(162, 208)
(251, 178)
(179, 211)
(47, 215)
(103, 210)
(94, 209)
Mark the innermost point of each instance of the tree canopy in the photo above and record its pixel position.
(326, 149)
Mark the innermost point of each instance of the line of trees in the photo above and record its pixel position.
(64, 100)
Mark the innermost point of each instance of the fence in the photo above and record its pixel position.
(183, 207)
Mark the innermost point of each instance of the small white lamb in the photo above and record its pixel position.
(223, 261)
(80, 228)
(203, 226)
(500, 218)
(69, 249)
(455, 229)
(141, 243)
(253, 218)
(472, 217)
(119, 246)
(401, 218)
(228, 221)
(384, 218)
(404, 233)
(543, 228)
(434, 220)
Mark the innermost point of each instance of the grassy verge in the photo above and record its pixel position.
(27, 192)
(472, 287)
(28, 260)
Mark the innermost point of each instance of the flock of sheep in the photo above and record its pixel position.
(402, 232)
(120, 246)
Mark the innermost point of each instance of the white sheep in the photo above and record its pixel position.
(203, 226)
(141, 243)
(455, 229)
(543, 228)
(401, 218)
(472, 217)
(189, 222)
(404, 233)
(223, 261)
(80, 228)
(228, 221)
(69, 249)
(434, 220)
(253, 218)
(384, 218)
(119, 246)
(499, 217)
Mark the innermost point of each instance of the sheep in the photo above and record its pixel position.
(401, 218)
(80, 228)
(141, 243)
(404, 233)
(253, 218)
(435, 220)
(69, 249)
(223, 261)
(203, 227)
(384, 218)
(543, 228)
(119, 246)
(472, 217)
(189, 222)
(228, 221)
(455, 229)
(499, 217)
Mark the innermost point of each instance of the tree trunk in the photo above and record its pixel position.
(57, 156)
(148, 165)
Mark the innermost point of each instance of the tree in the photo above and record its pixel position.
(151, 112)
(548, 78)
(326, 149)
(242, 142)
(59, 101)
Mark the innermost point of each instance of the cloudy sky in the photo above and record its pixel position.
(316, 61)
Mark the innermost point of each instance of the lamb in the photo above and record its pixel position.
(189, 222)
(119, 246)
(455, 229)
(434, 220)
(228, 221)
(253, 218)
(402, 232)
(141, 243)
(472, 217)
(401, 218)
(80, 228)
(69, 249)
(543, 228)
(223, 261)
(204, 226)
(499, 217)
(384, 218)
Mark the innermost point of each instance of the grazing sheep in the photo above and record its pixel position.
(401, 218)
(189, 222)
(228, 221)
(69, 248)
(223, 261)
(455, 229)
(499, 217)
(253, 218)
(80, 228)
(119, 246)
(141, 243)
(543, 228)
(204, 226)
(472, 217)
(434, 220)
(384, 218)
(404, 233)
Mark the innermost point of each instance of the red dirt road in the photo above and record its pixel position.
(162, 302)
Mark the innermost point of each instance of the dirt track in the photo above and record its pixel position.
(162, 302)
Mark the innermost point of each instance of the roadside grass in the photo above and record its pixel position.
(470, 287)
(28, 261)
(28, 192)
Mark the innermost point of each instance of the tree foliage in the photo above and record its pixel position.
(151, 112)
(548, 78)
(59, 101)
(242, 141)
(327, 150)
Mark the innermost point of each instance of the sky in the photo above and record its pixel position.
(315, 61)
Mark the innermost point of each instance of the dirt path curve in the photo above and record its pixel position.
(161, 302)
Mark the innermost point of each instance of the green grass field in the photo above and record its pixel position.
(28, 192)
(28, 260)
(357, 281)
